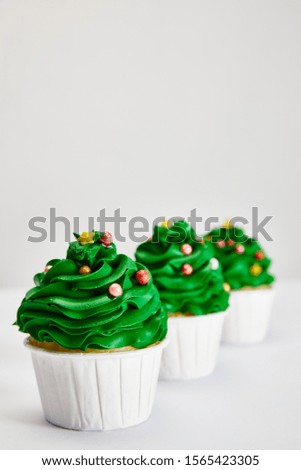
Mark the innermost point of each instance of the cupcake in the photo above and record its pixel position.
(96, 334)
(246, 271)
(190, 284)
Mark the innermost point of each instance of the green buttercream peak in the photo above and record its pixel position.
(92, 253)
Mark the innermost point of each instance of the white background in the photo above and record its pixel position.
(153, 106)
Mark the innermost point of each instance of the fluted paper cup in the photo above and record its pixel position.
(193, 346)
(97, 391)
(249, 315)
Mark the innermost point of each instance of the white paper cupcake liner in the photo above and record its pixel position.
(193, 346)
(99, 391)
(249, 315)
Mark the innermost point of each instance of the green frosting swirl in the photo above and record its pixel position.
(243, 260)
(77, 312)
(199, 293)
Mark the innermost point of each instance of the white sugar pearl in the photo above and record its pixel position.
(214, 263)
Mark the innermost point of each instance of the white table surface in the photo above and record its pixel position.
(251, 401)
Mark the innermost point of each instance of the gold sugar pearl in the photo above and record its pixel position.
(255, 269)
(227, 287)
(85, 269)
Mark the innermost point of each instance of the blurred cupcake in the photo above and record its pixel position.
(191, 287)
(246, 271)
(96, 336)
